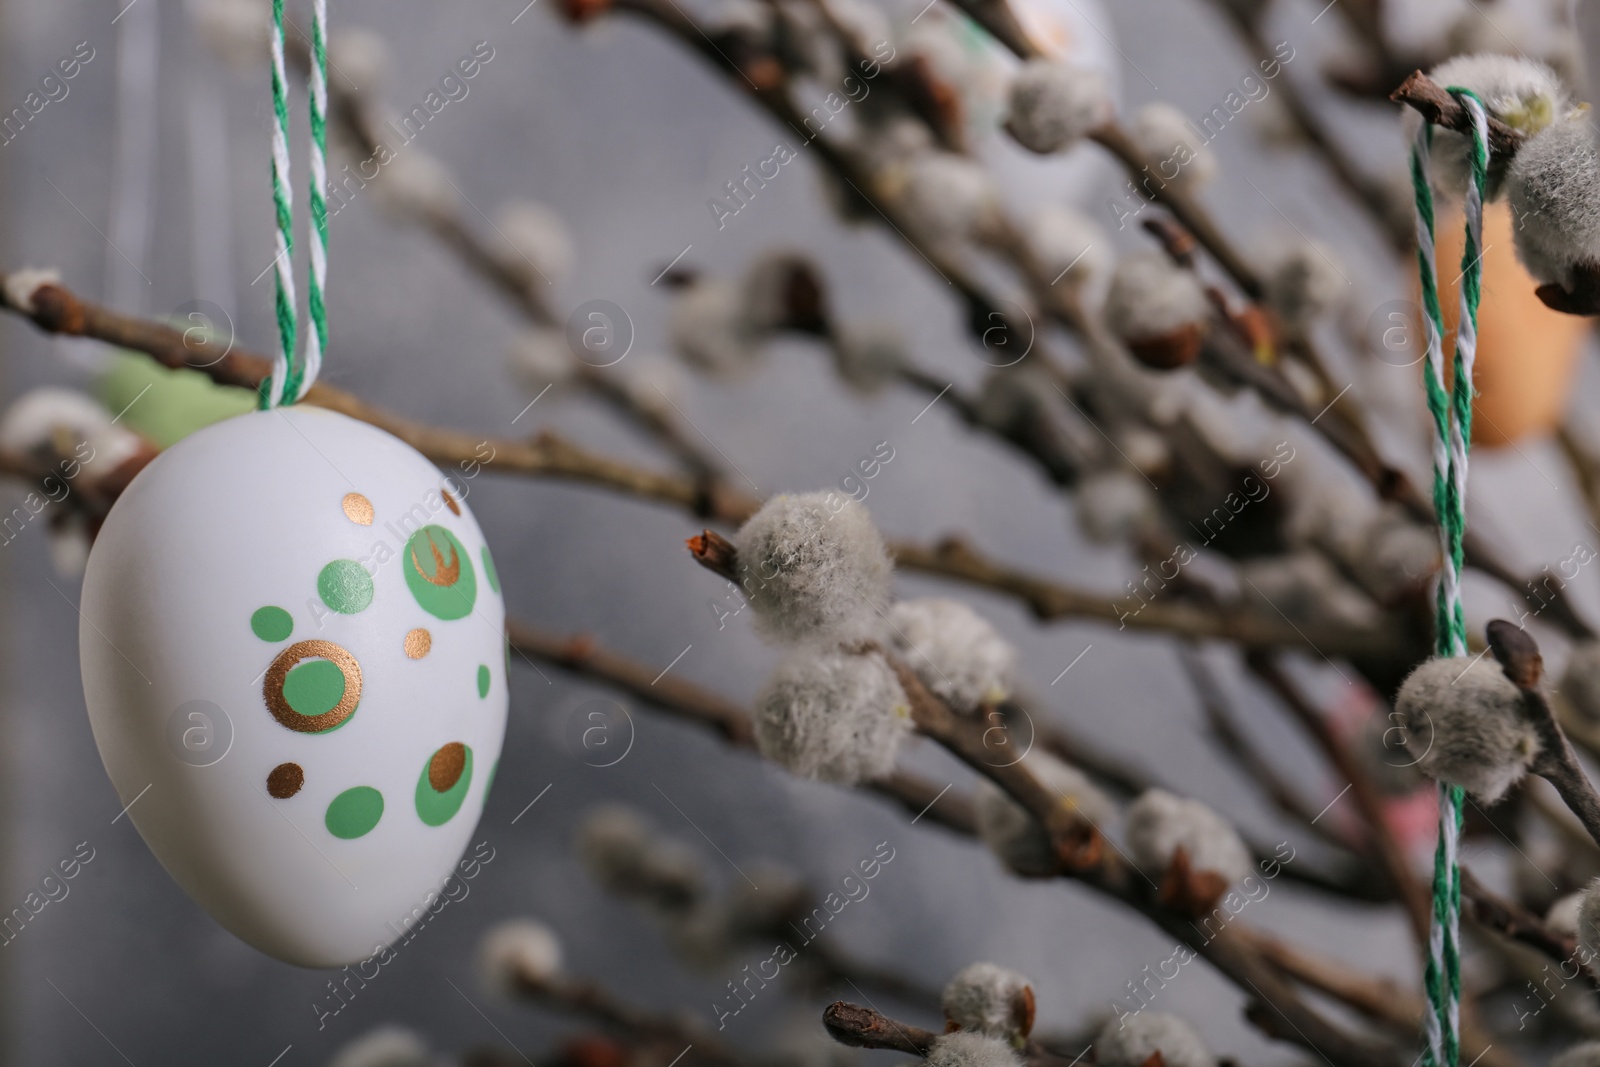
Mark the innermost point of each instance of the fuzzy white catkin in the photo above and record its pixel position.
(957, 653)
(415, 183)
(710, 331)
(963, 1049)
(1152, 297)
(516, 951)
(236, 30)
(1053, 105)
(1465, 724)
(1159, 822)
(983, 998)
(1580, 683)
(1307, 589)
(1114, 504)
(1525, 95)
(1562, 917)
(1554, 189)
(359, 55)
(833, 715)
(1068, 245)
(813, 566)
(1304, 281)
(384, 1046)
(1015, 836)
(1177, 155)
(20, 286)
(539, 237)
(863, 22)
(37, 420)
(1131, 1039)
(869, 356)
(655, 383)
(1589, 924)
(540, 358)
(1586, 1054)
(947, 197)
(622, 855)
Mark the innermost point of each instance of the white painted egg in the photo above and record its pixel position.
(294, 659)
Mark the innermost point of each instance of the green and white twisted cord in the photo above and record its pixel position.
(293, 377)
(1452, 418)
(272, 390)
(317, 339)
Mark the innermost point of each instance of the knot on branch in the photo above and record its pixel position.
(55, 310)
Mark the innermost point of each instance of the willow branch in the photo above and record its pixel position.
(590, 999)
(1370, 192)
(1396, 864)
(1430, 100)
(1380, 999)
(1511, 920)
(55, 309)
(1238, 745)
(1276, 1007)
(858, 1027)
(1557, 763)
(583, 656)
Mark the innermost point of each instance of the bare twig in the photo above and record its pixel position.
(1430, 100)
(1369, 803)
(1556, 762)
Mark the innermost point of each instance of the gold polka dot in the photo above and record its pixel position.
(278, 704)
(285, 780)
(358, 509)
(418, 642)
(450, 502)
(444, 769)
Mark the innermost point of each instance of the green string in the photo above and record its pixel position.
(1452, 420)
(291, 378)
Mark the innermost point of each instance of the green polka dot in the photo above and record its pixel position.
(439, 573)
(354, 812)
(345, 586)
(489, 574)
(435, 808)
(483, 681)
(272, 624)
(314, 687)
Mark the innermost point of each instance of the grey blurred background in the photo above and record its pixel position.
(625, 134)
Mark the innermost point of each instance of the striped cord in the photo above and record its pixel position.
(293, 377)
(1452, 419)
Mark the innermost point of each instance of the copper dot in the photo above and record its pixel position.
(418, 642)
(450, 502)
(285, 780)
(445, 768)
(358, 509)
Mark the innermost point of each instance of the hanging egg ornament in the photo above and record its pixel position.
(294, 659)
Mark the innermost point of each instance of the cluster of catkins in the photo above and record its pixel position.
(1157, 824)
(627, 858)
(989, 1013)
(1553, 181)
(817, 576)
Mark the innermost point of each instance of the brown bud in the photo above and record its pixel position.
(579, 12)
(1172, 350)
(1186, 890)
